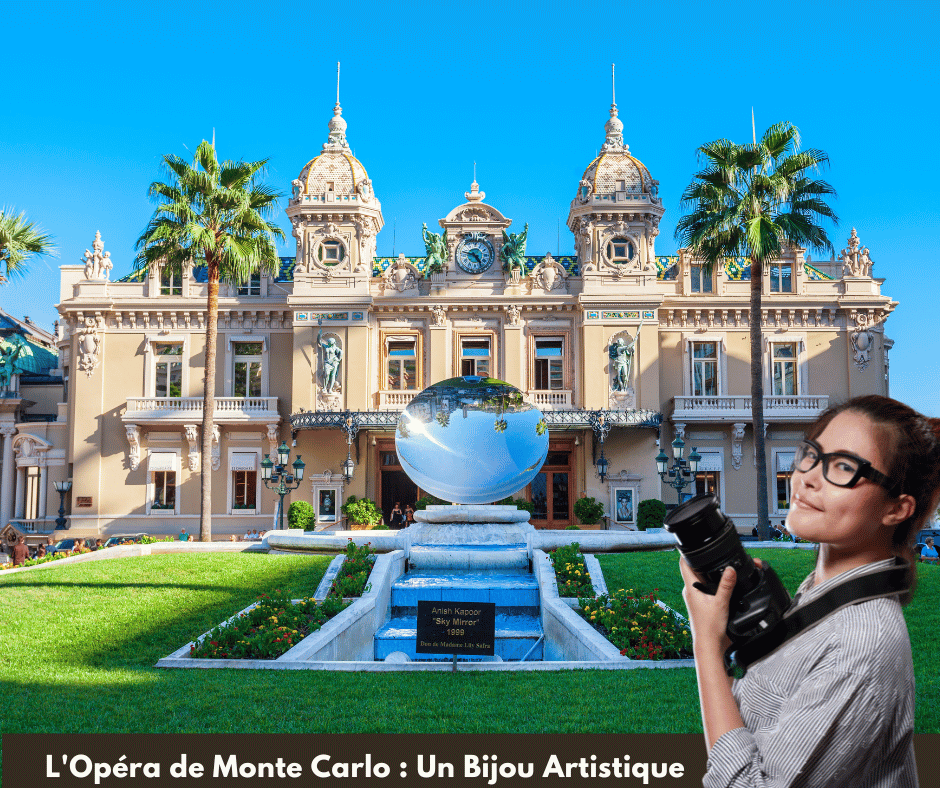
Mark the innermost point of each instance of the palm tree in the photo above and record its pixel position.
(754, 200)
(20, 239)
(212, 213)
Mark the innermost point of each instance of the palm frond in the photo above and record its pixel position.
(21, 239)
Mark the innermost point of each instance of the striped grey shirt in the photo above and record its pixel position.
(833, 706)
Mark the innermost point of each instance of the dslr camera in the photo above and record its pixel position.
(709, 542)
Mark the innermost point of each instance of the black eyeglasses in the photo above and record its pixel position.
(838, 468)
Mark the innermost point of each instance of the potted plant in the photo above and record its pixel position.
(362, 513)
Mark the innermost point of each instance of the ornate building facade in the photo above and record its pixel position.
(615, 342)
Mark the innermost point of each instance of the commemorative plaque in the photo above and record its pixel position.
(456, 628)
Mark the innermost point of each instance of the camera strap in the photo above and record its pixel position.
(889, 581)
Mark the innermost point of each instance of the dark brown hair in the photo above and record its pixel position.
(913, 456)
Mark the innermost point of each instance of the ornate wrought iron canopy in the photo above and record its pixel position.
(388, 419)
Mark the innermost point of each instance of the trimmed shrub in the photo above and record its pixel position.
(300, 514)
(650, 514)
(588, 510)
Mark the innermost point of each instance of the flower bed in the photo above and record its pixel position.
(639, 625)
(571, 572)
(275, 624)
(269, 629)
(354, 574)
(36, 561)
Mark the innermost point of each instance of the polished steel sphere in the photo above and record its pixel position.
(471, 440)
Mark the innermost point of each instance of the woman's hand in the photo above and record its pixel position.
(708, 614)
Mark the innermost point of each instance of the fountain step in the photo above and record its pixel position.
(515, 636)
(505, 589)
(469, 557)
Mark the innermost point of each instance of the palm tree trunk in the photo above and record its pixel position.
(208, 401)
(757, 400)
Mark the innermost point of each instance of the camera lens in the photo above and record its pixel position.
(709, 541)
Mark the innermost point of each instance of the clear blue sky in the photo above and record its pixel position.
(98, 92)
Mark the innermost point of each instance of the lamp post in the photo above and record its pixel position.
(62, 488)
(277, 477)
(601, 427)
(351, 427)
(682, 473)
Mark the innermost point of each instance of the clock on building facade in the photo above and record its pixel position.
(475, 253)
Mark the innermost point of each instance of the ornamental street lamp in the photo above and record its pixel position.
(682, 473)
(62, 488)
(276, 477)
(350, 426)
(601, 427)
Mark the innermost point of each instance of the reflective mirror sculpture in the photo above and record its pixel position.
(471, 440)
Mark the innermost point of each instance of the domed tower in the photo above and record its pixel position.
(616, 211)
(334, 211)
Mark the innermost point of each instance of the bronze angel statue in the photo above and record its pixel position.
(436, 248)
(513, 250)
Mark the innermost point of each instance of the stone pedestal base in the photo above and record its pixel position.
(471, 525)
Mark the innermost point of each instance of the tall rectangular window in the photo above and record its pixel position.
(701, 282)
(549, 363)
(171, 283)
(31, 511)
(706, 482)
(704, 369)
(248, 359)
(164, 490)
(252, 287)
(475, 356)
(245, 484)
(784, 371)
(169, 370)
(784, 477)
(402, 364)
(781, 278)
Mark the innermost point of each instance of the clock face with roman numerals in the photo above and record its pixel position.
(475, 253)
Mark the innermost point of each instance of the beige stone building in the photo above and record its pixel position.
(325, 355)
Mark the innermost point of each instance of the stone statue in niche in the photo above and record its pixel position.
(621, 361)
(332, 356)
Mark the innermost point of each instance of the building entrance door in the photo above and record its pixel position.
(394, 483)
(549, 491)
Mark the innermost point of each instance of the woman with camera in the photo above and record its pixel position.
(833, 705)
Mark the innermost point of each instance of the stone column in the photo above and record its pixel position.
(19, 511)
(6, 482)
(43, 488)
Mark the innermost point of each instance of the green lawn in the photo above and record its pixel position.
(78, 644)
